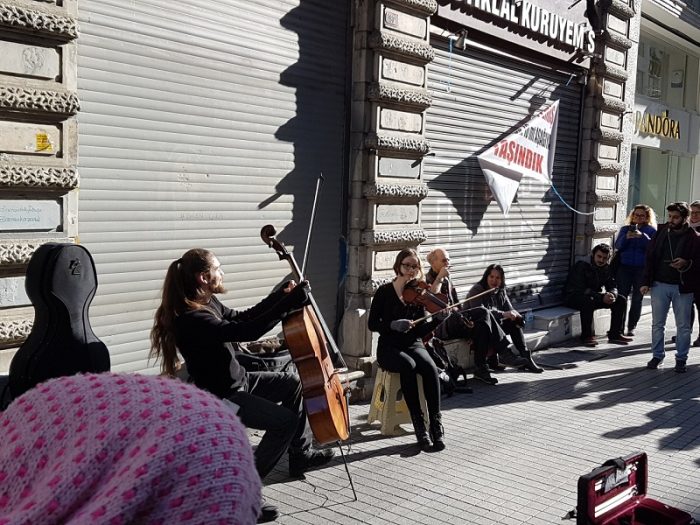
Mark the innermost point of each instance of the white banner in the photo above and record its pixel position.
(529, 151)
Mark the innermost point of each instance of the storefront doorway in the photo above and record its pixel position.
(658, 177)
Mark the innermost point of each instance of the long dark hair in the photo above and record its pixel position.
(180, 293)
(483, 282)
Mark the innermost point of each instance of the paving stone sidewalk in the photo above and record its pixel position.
(516, 450)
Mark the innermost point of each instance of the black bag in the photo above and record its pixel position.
(61, 281)
(448, 370)
(267, 355)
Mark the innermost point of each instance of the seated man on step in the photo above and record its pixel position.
(591, 286)
(477, 324)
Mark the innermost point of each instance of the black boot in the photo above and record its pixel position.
(437, 432)
(493, 363)
(482, 373)
(530, 364)
(421, 432)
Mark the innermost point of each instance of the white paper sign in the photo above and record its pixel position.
(527, 152)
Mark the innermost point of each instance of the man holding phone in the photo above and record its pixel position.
(668, 259)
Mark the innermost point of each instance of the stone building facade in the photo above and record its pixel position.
(38, 147)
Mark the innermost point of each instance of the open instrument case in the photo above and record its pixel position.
(616, 494)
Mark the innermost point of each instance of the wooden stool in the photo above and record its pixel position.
(388, 405)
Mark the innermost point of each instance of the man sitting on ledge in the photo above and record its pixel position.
(590, 286)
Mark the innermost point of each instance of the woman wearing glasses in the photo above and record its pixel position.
(631, 246)
(400, 347)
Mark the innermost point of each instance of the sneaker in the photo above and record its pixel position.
(300, 463)
(654, 363)
(589, 341)
(484, 375)
(680, 366)
(268, 512)
(619, 339)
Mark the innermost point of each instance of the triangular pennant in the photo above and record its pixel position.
(527, 152)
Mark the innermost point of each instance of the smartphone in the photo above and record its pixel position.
(634, 227)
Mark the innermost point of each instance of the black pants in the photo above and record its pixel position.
(486, 332)
(408, 363)
(588, 304)
(285, 425)
(515, 331)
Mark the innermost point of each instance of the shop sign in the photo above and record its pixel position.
(538, 20)
(659, 126)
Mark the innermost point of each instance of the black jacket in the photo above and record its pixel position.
(204, 337)
(688, 250)
(587, 279)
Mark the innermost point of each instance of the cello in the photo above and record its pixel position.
(310, 345)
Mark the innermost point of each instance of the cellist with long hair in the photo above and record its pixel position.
(193, 322)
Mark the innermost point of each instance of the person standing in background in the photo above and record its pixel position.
(631, 246)
(694, 222)
(668, 265)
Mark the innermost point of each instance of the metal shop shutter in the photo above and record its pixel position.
(201, 122)
(480, 97)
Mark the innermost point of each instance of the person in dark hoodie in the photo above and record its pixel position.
(591, 286)
(667, 274)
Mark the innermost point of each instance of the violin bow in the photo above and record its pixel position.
(458, 303)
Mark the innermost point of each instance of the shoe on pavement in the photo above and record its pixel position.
(589, 341)
(494, 365)
(654, 363)
(300, 463)
(268, 512)
(619, 339)
(680, 366)
(484, 375)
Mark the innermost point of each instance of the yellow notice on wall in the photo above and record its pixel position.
(43, 143)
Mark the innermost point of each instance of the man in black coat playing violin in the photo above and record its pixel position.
(477, 324)
(194, 322)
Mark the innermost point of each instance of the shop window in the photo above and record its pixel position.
(661, 72)
(659, 177)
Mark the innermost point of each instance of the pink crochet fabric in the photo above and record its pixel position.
(117, 449)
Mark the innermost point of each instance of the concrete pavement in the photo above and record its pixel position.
(516, 450)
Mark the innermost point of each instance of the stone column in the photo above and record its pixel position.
(608, 124)
(391, 54)
(38, 147)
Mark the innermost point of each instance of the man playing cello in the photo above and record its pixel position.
(191, 320)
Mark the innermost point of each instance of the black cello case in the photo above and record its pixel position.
(61, 282)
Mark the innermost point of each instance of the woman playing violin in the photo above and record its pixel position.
(400, 348)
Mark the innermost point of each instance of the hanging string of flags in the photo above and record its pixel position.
(528, 151)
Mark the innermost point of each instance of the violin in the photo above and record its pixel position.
(310, 345)
(418, 293)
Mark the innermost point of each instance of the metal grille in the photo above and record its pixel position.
(480, 97)
(201, 122)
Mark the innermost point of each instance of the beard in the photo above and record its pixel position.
(218, 288)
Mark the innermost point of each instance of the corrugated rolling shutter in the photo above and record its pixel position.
(480, 97)
(201, 122)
